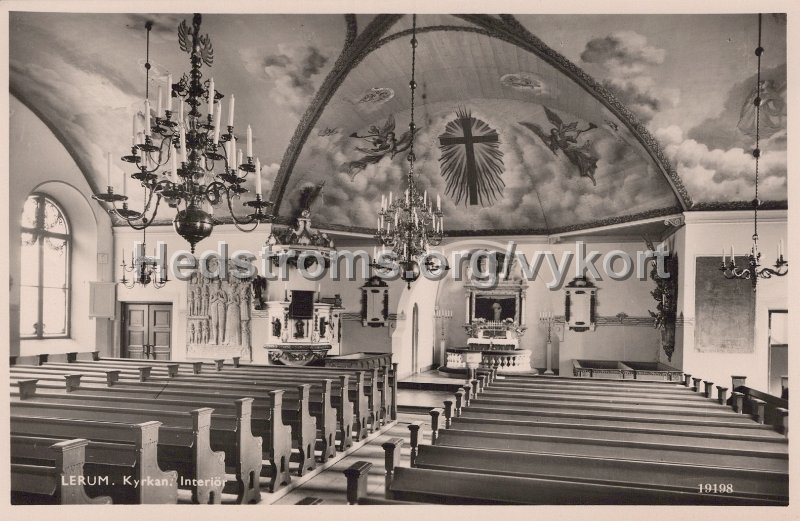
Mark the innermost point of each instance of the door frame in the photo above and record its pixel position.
(123, 321)
(770, 345)
(415, 339)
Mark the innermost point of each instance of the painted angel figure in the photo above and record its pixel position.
(565, 138)
(383, 141)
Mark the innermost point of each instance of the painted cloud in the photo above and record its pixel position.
(625, 58)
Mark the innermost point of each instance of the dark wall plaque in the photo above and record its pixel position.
(724, 309)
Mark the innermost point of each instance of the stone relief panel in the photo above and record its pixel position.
(219, 314)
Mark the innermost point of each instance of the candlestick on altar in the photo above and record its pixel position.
(169, 93)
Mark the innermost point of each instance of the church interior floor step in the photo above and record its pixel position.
(421, 401)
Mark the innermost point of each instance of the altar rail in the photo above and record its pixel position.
(614, 369)
(511, 361)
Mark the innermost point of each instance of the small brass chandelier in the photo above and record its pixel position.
(144, 269)
(409, 224)
(753, 270)
(205, 168)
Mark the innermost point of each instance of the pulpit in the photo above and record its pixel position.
(302, 331)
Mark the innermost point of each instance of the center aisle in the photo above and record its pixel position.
(331, 486)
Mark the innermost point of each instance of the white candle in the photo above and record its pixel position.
(249, 141)
(180, 120)
(174, 166)
(406, 195)
(390, 198)
(147, 118)
(211, 92)
(240, 160)
(780, 248)
(233, 153)
(158, 106)
(425, 198)
(124, 184)
(109, 170)
(438, 202)
(258, 176)
(733, 256)
(395, 220)
(228, 151)
(135, 127)
(723, 256)
(217, 122)
(169, 92)
(183, 144)
(230, 112)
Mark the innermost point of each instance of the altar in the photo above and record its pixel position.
(494, 326)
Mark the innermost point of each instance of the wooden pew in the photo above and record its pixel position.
(609, 448)
(679, 394)
(464, 488)
(356, 393)
(231, 428)
(380, 383)
(300, 402)
(588, 406)
(757, 484)
(564, 380)
(555, 399)
(387, 377)
(695, 438)
(670, 424)
(369, 390)
(124, 454)
(184, 440)
(61, 481)
(268, 413)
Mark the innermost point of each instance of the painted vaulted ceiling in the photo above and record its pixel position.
(531, 123)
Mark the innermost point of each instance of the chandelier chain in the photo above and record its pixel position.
(413, 84)
(753, 270)
(757, 102)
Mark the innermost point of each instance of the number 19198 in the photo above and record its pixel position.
(716, 488)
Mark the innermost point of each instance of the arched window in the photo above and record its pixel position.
(45, 274)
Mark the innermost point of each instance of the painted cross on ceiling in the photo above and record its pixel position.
(471, 161)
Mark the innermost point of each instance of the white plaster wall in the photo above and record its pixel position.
(707, 233)
(630, 296)
(39, 162)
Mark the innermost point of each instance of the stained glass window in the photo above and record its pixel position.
(44, 281)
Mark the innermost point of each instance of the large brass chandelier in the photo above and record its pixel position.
(753, 270)
(409, 224)
(202, 167)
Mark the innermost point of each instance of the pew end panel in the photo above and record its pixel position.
(63, 483)
(357, 475)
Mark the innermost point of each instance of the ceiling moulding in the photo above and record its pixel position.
(356, 46)
(715, 206)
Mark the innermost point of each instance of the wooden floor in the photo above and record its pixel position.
(330, 485)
